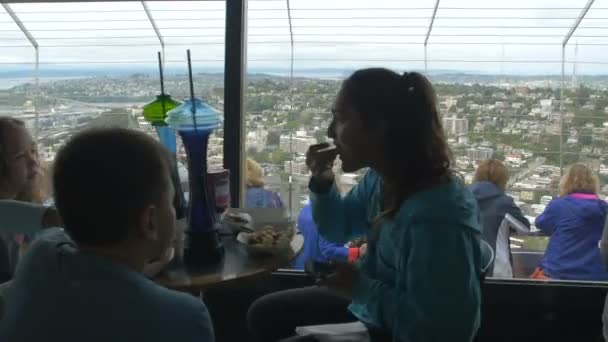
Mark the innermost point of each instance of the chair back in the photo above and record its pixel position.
(487, 257)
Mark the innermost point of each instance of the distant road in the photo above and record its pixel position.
(525, 172)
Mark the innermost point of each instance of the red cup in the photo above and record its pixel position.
(219, 186)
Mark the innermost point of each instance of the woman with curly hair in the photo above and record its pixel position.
(256, 196)
(574, 221)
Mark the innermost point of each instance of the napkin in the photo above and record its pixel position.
(355, 331)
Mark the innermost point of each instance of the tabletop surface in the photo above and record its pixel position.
(236, 265)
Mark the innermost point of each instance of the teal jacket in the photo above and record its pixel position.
(420, 278)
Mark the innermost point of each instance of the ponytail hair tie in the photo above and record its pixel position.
(406, 77)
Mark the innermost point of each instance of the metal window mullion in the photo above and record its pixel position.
(156, 30)
(235, 66)
(36, 47)
(428, 35)
(291, 61)
(577, 22)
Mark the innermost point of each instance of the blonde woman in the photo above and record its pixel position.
(19, 176)
(574, 221)
(256, 195)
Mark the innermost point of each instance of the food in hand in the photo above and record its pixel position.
(330, 148)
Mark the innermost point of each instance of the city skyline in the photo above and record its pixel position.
(516, 123)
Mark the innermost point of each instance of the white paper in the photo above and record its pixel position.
(355, 331)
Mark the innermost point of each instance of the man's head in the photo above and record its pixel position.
(113, 188)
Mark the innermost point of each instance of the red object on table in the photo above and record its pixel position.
(219, 187)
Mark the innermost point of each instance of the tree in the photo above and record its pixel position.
(499, 155)
(582, 95)
(278, 157)
(258, 156)
(273, 138)
(292, 125)
(320, 135)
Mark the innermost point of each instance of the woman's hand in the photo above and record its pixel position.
(342, 281)
(363, 250)
(321, 163)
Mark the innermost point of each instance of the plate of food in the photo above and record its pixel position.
(267, 240)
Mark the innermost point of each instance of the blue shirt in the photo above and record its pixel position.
(16, 218)
(419, 280)
(61, 294)
(575, 223)
(316, 247)
(258, 197)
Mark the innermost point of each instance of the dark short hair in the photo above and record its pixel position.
(103, 179)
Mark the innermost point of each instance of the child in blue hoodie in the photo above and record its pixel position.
(574, 221)
(316, 248)
(419, 280)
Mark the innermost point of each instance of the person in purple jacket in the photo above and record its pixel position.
(318, 249)
(256, 196)
(574, 221)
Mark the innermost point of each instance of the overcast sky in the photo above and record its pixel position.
(510, 37)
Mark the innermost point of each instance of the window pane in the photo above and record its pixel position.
(497, 72)
(98, 65)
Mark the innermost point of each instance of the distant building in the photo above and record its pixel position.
(464, 140)
(450, 101)
(295, 167)
(455, 126)
(522, 90)
(480, 153)
(296, 144)
(500, 105)
(572, 140)
(513, 158)
(527, 196)
(257, 139)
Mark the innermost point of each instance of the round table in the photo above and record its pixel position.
(236, 265)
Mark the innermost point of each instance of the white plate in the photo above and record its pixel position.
(238, 221)
(262, 216)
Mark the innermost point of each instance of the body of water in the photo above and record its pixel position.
(8, 83)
